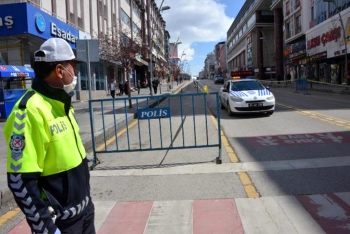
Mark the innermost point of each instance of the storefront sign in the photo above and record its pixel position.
(297, 49)
(332, 35)
(66, 35)
(249, 51)
(46, 26)
(6, 21)
(27, 19)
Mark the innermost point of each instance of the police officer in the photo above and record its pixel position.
(46, 161)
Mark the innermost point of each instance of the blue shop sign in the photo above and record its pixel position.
(24, 18)
(8, 71)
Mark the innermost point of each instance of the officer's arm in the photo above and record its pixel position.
(27, 196)
(26, 141)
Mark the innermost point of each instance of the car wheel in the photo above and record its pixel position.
(269, 113)
(229, 112)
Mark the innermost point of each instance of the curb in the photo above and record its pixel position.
(6, 196)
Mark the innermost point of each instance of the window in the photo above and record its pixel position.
(298, 24)
(136, 11)
(125, 18)
(3, 58)
(288, 30)
(125, 40)
(287, 8)
(136, 29)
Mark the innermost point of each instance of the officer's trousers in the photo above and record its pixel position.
(83, 225)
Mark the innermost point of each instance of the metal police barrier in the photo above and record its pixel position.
(302, 85)
(162, 122)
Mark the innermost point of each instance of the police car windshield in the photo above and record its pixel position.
(246, 85)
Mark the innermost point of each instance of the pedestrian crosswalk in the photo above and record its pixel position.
(324, 213)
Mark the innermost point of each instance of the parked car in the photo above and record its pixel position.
(218, 80)
(246, 96)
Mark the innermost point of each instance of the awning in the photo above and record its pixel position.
(140, 62)
(11, 71)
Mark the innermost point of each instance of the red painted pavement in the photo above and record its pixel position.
(216, 216)
(21, 228)
(127, 217)
(329, 211)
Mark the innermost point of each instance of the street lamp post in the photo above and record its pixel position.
(182, 63)
(175, 47)
(151, 46)
(344, 38)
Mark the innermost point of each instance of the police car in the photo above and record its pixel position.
(246, 96)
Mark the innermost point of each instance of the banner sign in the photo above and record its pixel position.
(153, 113)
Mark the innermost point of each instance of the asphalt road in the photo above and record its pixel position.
(309, 131)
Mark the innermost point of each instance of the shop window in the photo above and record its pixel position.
(334, 69)
(288, 30)
(80, 22)
(3, 58)
(287, 8)
(298, 24)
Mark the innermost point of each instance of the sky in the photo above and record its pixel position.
(199, 25)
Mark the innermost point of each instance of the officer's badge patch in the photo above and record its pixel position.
(17, 144)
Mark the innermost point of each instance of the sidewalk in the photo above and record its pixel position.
(283, 214)
(82, 115)
(311, 87)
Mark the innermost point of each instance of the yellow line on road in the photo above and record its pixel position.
(230, 152)
(9, 215)
(320, 116)
(121, 132)
(249, 187)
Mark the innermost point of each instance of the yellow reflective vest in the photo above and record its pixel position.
(42, 138)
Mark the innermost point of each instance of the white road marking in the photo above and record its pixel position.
(231, 167)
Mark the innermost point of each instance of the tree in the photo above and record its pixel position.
(121, 47)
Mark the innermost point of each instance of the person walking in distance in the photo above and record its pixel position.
(121, 88)
(288, 77)
(155, 85)
(112, 88)
(126, 88)
(47, 167)
(138, 87)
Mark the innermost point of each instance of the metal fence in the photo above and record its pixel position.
(162, 122)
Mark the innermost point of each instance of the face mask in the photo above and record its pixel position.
(70, 87)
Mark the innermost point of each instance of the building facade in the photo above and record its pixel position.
(25, 25)
(304, 38)
(250, 40)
